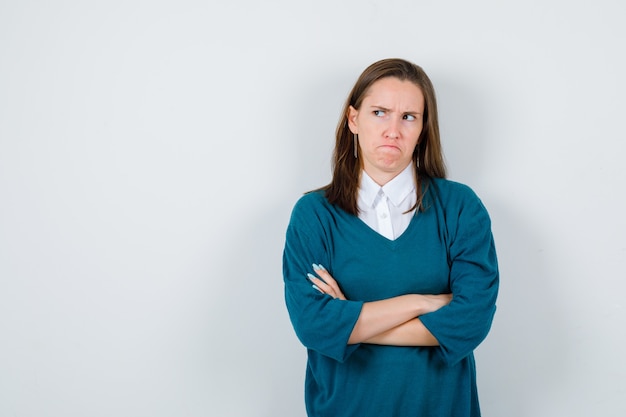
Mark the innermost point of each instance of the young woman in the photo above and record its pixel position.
(390, 271)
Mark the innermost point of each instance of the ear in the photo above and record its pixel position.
(352, 115)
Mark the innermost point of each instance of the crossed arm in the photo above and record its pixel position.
(393, 321)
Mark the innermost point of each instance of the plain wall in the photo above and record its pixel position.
(151, 152)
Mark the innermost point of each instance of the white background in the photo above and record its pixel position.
(151, 152)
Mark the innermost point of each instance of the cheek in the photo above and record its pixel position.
(367, 132)
(418, 132)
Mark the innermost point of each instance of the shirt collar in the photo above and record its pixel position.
(396, 190)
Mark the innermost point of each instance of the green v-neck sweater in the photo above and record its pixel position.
(446, 248)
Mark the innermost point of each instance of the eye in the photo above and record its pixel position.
(379, 113)
(409, 117)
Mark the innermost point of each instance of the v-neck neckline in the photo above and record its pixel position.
(396, 241)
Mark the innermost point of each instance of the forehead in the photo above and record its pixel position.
(393, 91)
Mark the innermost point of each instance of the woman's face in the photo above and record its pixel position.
(389, 124)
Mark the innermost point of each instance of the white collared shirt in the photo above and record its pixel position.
(383, 208)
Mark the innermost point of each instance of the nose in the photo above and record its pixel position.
(393, 129)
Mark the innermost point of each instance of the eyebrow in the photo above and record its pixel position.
(374, 106)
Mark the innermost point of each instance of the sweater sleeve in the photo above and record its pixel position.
(474, 278)
(321, 323)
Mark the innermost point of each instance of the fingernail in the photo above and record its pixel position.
(316, 287)
(310, 276)
(316, 267)
(321, 267)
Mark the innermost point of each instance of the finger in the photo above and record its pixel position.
(320, 284)
(328, 279)
(330, 285)
(324, 288)
(325, 275)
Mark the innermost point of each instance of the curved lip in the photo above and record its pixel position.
(389, 145)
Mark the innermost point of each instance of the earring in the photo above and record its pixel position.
(417, 156)
(356, 145)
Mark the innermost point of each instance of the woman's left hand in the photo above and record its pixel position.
(325, 283)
